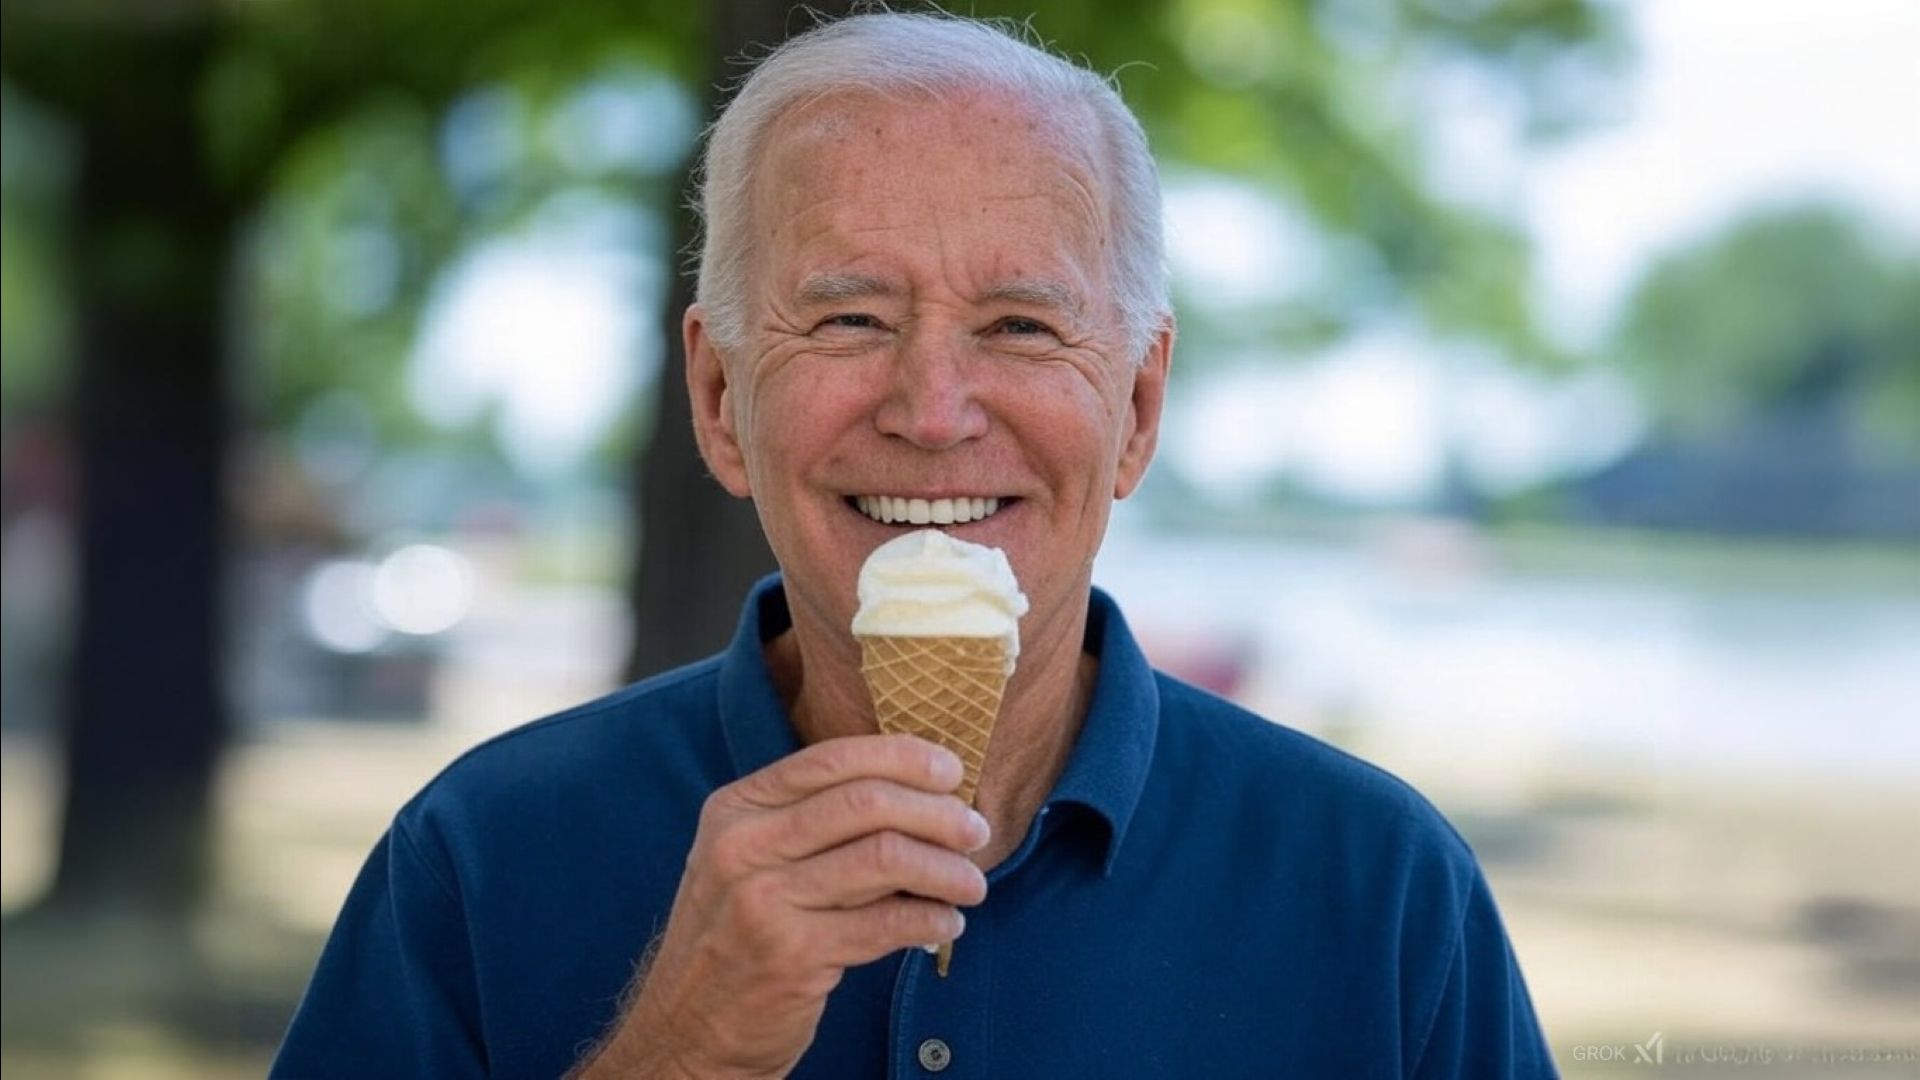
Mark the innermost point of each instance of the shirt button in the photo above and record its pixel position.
(935, 1055)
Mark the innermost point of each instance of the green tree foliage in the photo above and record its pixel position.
(1787, 308)
(322, 124)
(33, 335)
(1319, 102)
(326, 120)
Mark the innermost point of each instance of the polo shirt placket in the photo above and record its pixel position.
(944, 1026)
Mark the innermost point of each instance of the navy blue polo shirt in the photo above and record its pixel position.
(1204, 893)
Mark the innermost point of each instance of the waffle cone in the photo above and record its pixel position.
(946, 690)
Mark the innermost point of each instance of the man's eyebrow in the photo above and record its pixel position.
(1039, 292)
(837, 288)
(834, 288)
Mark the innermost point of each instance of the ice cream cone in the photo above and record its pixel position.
(939, 630)
(946, 690)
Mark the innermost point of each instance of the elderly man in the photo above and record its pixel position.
(932, 272)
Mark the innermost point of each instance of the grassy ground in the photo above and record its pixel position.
(300, 810)
(1773, 912)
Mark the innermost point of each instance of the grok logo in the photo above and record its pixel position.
(1652, 1052)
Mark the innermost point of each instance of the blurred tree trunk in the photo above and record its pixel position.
(699, 548)
(146, 716)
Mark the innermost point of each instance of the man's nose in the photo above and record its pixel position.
(931, 400)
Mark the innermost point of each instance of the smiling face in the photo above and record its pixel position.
(932, 339)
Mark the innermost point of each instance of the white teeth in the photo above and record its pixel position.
(894, 509)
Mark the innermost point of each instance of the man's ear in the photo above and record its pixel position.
(1143, 411)
(710, 391)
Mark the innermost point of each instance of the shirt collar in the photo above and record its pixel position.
(751, 715)
(1107, 770)
(1105, 773)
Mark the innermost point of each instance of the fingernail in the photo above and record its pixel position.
(962, 916)
(981, 827)
(947, 768)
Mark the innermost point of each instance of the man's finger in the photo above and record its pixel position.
(885, 926)
(903, 759)
(846, 812)
(880, 865)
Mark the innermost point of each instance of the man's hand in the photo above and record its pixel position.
(829, 858)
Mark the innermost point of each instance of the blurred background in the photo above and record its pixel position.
(1545, 427)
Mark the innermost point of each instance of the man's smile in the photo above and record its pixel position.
(916, 510)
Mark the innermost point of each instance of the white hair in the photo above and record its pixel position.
(938, 55)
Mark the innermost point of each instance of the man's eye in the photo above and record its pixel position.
(850, 322)
(1022, 327)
